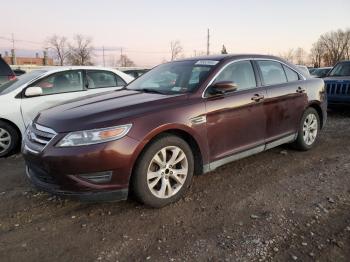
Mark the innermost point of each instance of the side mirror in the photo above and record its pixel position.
(33, 91)
(223, 87)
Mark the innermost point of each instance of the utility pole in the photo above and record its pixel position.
(121, 57)
(13, 42)
(103, 54)
(208, 42)
(14, 60)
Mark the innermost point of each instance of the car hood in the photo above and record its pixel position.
(337, 78)
(104, 110)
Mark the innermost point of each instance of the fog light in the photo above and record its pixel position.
(99, 177)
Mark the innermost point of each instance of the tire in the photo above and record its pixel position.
(158, 183)
(309, 129)
(9, 139)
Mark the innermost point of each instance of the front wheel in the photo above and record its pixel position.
(308, 130)
(163, 172)
(9, 139)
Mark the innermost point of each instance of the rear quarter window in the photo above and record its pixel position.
(291, 74)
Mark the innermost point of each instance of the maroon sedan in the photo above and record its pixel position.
(181, 118)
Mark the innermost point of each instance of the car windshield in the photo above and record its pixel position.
(175, 77)
(341, 69)
(320, 71)
(11, 85)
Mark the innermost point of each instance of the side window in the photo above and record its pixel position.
(241, 73)
(272, 72)
(120, 81)
(291, 75)
(63, 82)
(101, 79)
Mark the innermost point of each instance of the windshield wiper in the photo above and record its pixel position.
(149, 90)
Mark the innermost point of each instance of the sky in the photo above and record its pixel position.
(144, 29)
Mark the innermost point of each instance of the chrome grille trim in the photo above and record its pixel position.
(45, 129)
(37, 138)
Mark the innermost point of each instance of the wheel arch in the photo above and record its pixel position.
(316, 105)
(177, 131)
(16, 128)
(13, 125)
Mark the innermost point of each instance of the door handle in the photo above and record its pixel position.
(257, 98)
(300, 90)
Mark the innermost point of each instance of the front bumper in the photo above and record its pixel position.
(55, 189)
(66, 171)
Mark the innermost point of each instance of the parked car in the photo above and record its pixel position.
(23, 98)
(136, 73)
(311, 69)
(6, 72)
(304, 69)
(338, 84)
(19, 72)
(321, 72)
(152, 136)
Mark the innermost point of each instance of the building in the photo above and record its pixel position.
(37, 60)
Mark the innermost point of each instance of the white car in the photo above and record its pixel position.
(23, 98)
(304, 69)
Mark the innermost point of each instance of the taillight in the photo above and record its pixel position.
(12, 77)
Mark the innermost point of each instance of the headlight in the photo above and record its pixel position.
(95, 136)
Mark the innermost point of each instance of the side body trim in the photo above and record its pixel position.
(213, 165)
(281, 141)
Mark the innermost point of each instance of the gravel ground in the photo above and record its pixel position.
(281, 205)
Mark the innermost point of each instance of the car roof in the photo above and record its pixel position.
(232, 56)
(65, 68)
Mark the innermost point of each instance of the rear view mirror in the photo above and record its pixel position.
(34, 91)
(223, 87)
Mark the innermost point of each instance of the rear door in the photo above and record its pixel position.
(236, 122)
(286, 99)
(57, 88)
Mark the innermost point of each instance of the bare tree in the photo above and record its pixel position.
(176, 49)
(125, 61)
(80, 52)
(59, 45)
(289, 55)
(336, 45)
(300, 56)
(317, 54)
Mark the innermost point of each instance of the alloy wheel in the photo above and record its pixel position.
(5, 140)
(310, 129)
(167, 172)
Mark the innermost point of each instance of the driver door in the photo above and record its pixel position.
(236, 122)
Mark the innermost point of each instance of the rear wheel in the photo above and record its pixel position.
(164, 172)
(308, 130)
(9, 139)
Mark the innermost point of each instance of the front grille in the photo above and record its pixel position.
(338, 88)
(38, 137)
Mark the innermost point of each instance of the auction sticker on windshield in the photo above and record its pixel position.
(206, 62)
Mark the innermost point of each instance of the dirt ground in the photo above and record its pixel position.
(281, 205)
